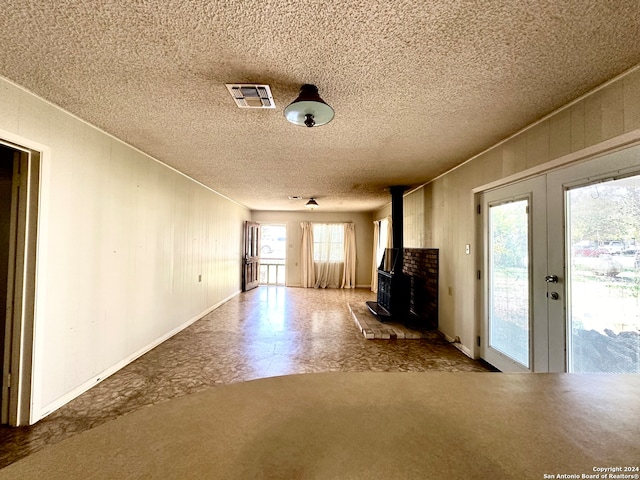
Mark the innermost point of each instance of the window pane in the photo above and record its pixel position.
(328, 242)
(509, 280)
(273, 241)
(273, 250)
(382, 241)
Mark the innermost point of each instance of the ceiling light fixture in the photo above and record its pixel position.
(309, 109)
(312, 204)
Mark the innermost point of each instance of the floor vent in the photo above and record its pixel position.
(251, 96)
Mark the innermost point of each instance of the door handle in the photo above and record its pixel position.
(553, 295)
(551, 279)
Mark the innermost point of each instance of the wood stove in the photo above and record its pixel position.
(407, 278)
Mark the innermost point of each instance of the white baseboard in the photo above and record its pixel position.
(458, 345)
(76, 392)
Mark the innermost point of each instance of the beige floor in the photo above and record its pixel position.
(364, 425)
(267, 332)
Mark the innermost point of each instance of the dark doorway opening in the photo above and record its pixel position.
(6, 180)
(19, 202)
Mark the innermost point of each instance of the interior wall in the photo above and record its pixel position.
(415, 209)
(364, 239)
(413, 232)
(605, 117)
(130, 251)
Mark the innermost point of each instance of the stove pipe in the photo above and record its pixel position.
(397, 218)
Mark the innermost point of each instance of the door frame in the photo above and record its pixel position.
(583, 156)
(19, 349)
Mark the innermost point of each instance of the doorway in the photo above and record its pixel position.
(273, 254)
(19, 194)
(6, 182)
(561, 283)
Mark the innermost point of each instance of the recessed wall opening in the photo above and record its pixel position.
(19, 188)
(273, 254)
(6, 181)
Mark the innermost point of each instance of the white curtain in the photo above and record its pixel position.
(389, 233)
(306, 260)
(349, 275)
(328, 254)
(374, 262)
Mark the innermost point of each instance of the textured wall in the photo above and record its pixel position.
(123, 243)
(364, 239)
(449, 208)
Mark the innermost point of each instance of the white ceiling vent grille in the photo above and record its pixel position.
(251, 96)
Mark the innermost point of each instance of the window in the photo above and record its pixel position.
(383, 242)
(328, 242)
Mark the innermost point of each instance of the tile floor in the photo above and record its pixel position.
(267, 332)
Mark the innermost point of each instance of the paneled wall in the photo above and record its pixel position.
(415, 207)
(130, 251)
(606, 118)
(413, 226)
(364, 239)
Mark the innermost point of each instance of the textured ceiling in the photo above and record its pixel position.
(417, 86)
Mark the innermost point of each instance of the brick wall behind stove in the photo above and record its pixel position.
(421, 266)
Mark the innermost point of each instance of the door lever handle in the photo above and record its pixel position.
(551, 279)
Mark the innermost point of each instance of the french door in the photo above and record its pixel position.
(562, 269)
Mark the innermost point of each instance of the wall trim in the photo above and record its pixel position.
(458, 345)
(608, 146)
(531, 125)
(48, 102)
(543, 119)
(92, 382)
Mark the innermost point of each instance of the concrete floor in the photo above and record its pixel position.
(268, 332)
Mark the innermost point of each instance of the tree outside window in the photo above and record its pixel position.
(328, 243)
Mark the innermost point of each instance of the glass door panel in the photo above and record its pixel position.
(509, 284)
(273, 253)
(603, 308)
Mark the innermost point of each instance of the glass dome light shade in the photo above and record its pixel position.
(309, 109)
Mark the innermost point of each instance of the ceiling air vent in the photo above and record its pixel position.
(251, 96)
